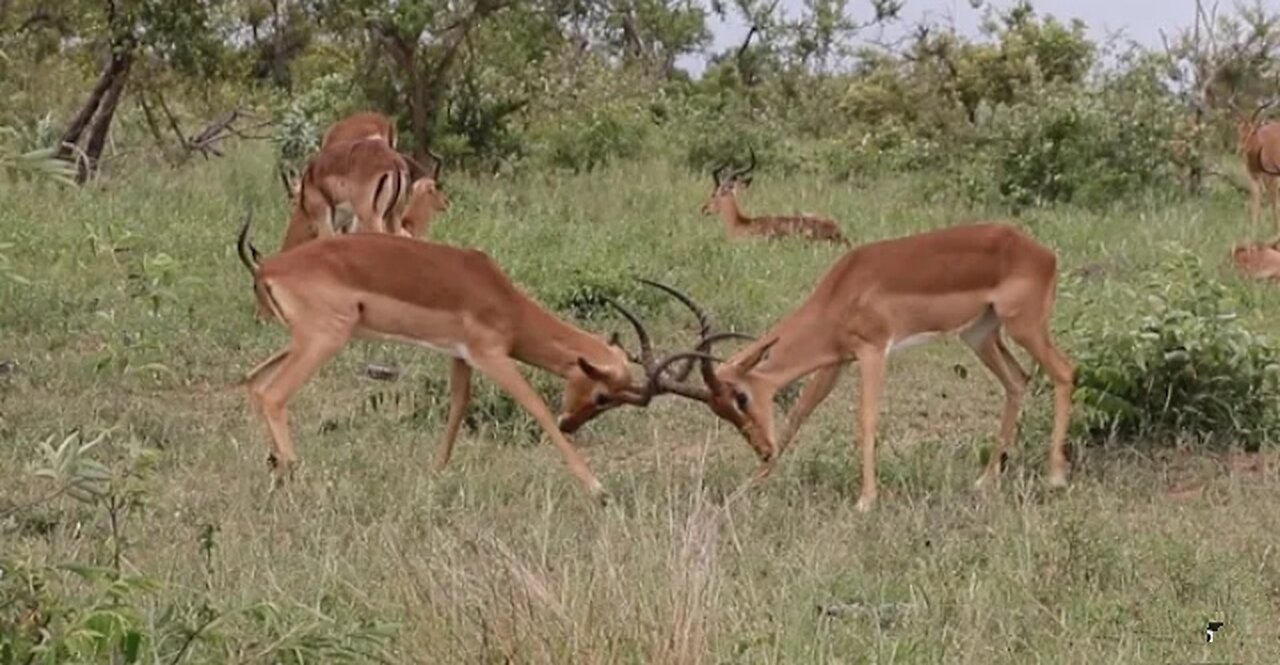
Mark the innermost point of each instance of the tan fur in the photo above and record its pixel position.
(1257, 261)
(362, 125)
(366, 176)
(1259, 145)
(975, 280)
(724, 202)
(454, 300)
(426, 200)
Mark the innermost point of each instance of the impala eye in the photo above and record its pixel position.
(602, 400)
(740, 398)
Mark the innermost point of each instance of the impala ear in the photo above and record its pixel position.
(592, 371)
(749, 363)
(746, 182)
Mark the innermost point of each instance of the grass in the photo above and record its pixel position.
(133, 313)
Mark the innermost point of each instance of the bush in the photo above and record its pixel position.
(1074, 145)
(1187, 368)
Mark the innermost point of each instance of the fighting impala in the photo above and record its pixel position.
(974, 280)
(1260, 150)
(724, 202)
(453, 300)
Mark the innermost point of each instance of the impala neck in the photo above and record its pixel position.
(804, 345)
(545, 341)
(732, 214)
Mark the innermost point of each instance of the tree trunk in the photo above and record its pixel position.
(95, 116)
(101, 124)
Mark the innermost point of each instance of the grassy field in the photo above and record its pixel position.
(137, 318)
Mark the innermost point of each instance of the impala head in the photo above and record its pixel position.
(726, 187)
(427, 199)
(735, 392)
(597, 386)
(1246, 126)
(594, 387)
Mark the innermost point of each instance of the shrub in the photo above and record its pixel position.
(1186, 368)
(1073, 145)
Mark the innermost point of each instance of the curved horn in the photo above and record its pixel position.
(1253, 119)
(717, 174)
(658, 385)
(703, 322)
(750, 167)
(436, 166)
(249, 255)
(646, 348)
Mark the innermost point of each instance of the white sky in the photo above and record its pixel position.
(1139, 20)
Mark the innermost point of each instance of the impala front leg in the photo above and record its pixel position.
(814, 392)
(871, 371)
(504, 373)
(459, 396)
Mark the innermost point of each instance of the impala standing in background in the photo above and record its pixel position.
(357, 126)
(974, 280)
(453, 300)
(362, 184)
(1260, 149)
(427, 199)
(724, 202)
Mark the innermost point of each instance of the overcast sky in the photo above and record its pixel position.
(1139, 20)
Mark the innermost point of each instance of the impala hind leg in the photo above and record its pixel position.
(871, 372)
(1273, 185)
(816, 390)
(1255, 204)
(258, 375)
(1035, 338)
(503, 371)
(272, 391)
(997, 358)
(459, 397)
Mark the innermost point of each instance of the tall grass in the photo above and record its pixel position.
(137, 317)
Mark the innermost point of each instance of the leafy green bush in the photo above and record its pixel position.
(1073, 145)
(1185, 368)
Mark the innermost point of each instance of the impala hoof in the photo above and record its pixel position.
(865, 504)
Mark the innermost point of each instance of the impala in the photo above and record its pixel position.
(724, 202)
(975, 280)
(1260, 149)
(426, 200)
(357, 126)
(365, 179)
(1257, 261)
(453, 300)
(361, 125)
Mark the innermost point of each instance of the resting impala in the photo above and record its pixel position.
(449, 299)
(1257, 261)
(974, 280)
(362, 184)
(1260, 149)
(724, 202)
(360, 125)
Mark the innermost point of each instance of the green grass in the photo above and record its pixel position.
(137, 316)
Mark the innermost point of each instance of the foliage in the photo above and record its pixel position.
(1183, 367)
(1072, 145)
(82, 613)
